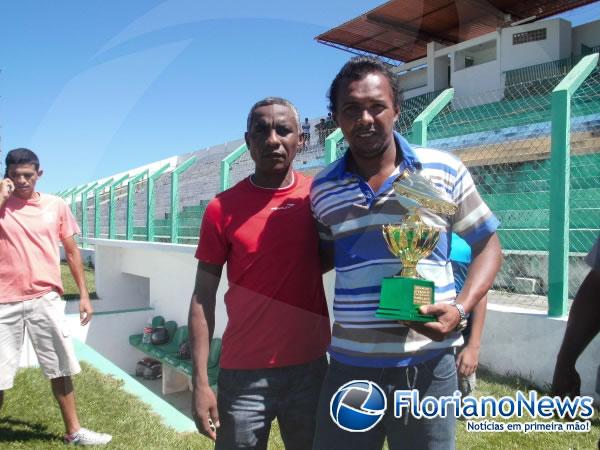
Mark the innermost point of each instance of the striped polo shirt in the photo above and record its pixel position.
(350, 215)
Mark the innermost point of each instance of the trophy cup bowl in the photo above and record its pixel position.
(411, 241)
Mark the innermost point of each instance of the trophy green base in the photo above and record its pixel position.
(401, 298)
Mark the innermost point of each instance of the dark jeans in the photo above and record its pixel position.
(436, 377)
(249, 400)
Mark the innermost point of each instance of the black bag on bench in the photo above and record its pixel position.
(160, 336)
(148, 368)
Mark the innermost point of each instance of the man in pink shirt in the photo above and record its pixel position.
(31, 226)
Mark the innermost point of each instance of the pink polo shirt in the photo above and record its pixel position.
(30, 232)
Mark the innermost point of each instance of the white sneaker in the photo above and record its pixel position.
(87, 437)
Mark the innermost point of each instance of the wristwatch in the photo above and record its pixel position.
(462, 324)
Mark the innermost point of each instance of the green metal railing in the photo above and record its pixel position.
(150, 202)
(175, 197)
(84, 213)
(131, 203)
(331, 145)
(419, 128)
(112, 232)
(97, 193)
(226, 166)
(558, 270)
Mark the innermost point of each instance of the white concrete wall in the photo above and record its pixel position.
(488, 87)
(413, 79)
(415, 92)
(557, 44)
(526, 342)
(588, 34)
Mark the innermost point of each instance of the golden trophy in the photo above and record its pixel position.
(411, 241)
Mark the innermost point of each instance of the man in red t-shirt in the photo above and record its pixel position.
(31, 226)
(273, 354)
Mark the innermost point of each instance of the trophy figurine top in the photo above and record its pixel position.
(413, 240)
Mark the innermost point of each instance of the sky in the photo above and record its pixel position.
(97, 87)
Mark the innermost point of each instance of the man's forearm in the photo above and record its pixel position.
(584, 320)
(76, 267)
(487, 259)
(201, 328)
(477, 323)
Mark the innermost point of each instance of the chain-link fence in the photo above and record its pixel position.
(104, 216)
(504, 139)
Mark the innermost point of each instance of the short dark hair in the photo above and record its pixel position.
(358, 68)
(21, 156)
(272, 101)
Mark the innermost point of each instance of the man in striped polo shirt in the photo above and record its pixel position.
(351, 199)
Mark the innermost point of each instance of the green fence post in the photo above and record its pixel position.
(150, 202)
(331, 143)
(112, 206)
(175, 197)
(131, 203)
(226, 166)
(419, 128)
(97, 193)
(84, 221)
(66, 193)
(74, 195)
(558, 264)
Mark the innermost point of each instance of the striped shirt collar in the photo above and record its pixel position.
(409, 160)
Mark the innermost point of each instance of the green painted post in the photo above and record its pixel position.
(131, 203)
(66, 193)
(112, 233)
(226, 166)
(419, 128)
(74, 195)
(331, 143)
(150, 202)
(558, 264)
(84, 221)
(97, 193)
(175, 197)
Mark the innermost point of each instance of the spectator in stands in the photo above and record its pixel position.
(31, 226)
(273, 356)
(467, 358)
(321, 128)
(330, 125)
(306, 132)
(351, 199)
(583, 325)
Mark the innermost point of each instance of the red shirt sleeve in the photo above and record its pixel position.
(213, 246)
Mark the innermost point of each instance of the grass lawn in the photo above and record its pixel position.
(71, 291)
(31, 420)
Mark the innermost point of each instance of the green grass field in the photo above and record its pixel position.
(30, 419)
(71, 291)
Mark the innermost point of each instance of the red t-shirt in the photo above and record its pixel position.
(276, 307)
